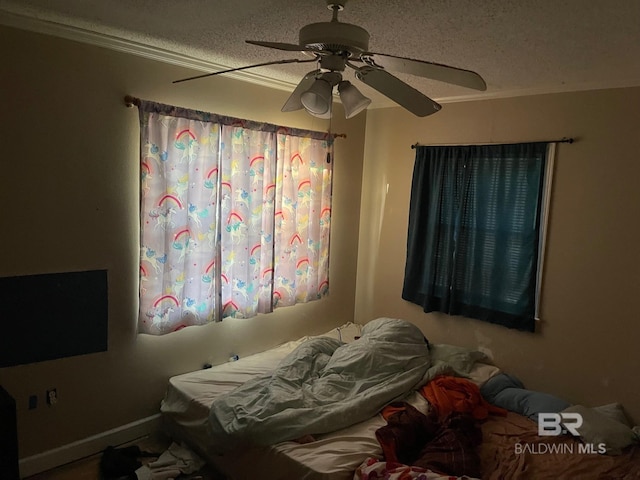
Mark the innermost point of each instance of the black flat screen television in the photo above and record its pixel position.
(53, 315)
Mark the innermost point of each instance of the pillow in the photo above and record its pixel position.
(508, 392)
(482, 372)
(598, 427)
(615, 412)
(461, 359)
(497, 384)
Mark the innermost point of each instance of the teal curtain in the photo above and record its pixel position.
(474, 229)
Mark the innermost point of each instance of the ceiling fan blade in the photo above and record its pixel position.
(289, 47)
(293, 103)
(404, 95)
(276, 62)
(421, 68)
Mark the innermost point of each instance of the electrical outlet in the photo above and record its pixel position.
(52, 397)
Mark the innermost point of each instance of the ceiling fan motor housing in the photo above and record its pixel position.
(335, 37)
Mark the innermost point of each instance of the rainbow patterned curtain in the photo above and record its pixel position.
(235, 217)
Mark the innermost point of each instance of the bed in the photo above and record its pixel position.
(354, 450)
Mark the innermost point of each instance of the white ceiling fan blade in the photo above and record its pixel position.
(293, 103)
(421, 68)
(404, 95)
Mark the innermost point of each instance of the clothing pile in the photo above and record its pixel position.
(444, 440)
(124, 464)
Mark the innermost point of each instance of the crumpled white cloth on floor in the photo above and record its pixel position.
(176, 460)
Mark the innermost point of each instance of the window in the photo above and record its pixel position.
(235, 217)
(475, 230)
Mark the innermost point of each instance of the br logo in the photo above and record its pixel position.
(554, 424)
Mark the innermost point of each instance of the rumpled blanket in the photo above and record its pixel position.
(448, 447)
(373, 468)
(322, 386)
(512, 448)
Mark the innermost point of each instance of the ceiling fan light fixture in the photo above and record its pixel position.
(317, 99)
(336, 45)
(324, 116)
(352, 100)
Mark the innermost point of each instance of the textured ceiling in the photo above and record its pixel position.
(518, 46)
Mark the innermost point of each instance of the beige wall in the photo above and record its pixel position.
(69, 193)
(587, 348)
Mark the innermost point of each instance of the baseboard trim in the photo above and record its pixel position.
(88, 446)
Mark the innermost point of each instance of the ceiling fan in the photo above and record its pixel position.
(334, 46)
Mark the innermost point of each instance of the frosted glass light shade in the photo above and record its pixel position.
(352, 100)
(324, 116)
(317, 100)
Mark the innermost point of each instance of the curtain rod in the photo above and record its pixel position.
(130, 101)
(562, 140)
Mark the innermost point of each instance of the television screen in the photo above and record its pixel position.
(51, 316)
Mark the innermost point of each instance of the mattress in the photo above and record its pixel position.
(335, 456)
(332, 456)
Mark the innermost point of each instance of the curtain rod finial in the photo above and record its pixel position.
(130, 101)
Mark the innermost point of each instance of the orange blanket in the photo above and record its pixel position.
(454, 394)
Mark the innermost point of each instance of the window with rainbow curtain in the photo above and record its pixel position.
(235, 217)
